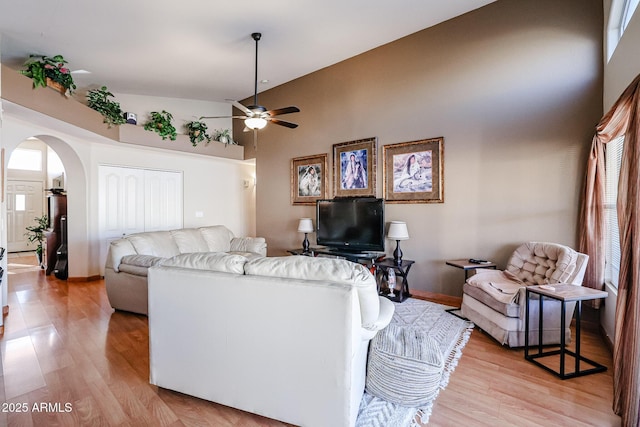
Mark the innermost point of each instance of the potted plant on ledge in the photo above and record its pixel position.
(35, 233)
(49, 71)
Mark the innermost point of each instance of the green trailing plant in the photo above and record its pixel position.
(197, 132)
(35, 233)
(39, 67)
(98, 99)
(161, 124)
(224, 136)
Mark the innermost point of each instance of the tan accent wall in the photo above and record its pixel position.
(515, 89)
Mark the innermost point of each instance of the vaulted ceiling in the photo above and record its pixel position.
(202, 49)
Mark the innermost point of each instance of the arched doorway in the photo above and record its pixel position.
(76, 189)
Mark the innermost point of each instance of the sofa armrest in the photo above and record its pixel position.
(249, 244)
(384, 318)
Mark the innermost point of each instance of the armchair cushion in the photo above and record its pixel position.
(537, 263)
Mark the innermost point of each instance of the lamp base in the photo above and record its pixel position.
(305, 244)
(397, 254)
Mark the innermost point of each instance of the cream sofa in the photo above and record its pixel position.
(283, 337)
(129, 258)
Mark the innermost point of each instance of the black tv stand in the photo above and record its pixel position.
(355, 256)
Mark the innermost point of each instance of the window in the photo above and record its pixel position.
(620, 15)
(613, 159)
(629, 7)
(26, 159)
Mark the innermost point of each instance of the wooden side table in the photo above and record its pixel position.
(466, 265)
(402, 271)
(563, 293)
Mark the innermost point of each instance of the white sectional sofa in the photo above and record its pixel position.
(283, 337)
(129, 258)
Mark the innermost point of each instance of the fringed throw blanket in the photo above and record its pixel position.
(449, 332)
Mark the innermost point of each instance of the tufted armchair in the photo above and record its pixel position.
(495, 300)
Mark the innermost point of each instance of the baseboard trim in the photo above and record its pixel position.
(84, 279)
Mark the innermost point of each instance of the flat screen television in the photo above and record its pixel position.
(354, 224)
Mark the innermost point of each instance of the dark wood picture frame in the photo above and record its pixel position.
(414, 171)
(354, 168)
(308, 179)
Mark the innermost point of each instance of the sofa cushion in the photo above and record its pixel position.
(117, 250)
(189, 240)
(212, 261)
(141, 260)
(157, 243)
(249, 244)
(323, 269)
(217, 237)
(136, 270)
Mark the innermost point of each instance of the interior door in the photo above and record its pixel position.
(120, 204)
(163, 200)
(133, 200)
(24, 204)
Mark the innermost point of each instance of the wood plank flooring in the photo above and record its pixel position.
(67, 352)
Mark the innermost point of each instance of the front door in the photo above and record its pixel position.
(24, 204)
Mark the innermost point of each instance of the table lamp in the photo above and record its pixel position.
(398, 231)
(305, 226)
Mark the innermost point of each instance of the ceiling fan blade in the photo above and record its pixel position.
(283, 123)
(222, 117)
(286, 110)
(240, 107)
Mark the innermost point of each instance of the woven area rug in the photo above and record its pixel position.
(451, 333)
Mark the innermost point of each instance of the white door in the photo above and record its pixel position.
(120, 204)
(24, 203)
(132, 200)
(163, 200)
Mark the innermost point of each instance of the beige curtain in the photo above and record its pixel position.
(622, 119)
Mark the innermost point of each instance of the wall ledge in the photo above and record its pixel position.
(18, 89)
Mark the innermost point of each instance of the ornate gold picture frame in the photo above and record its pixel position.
(354, 168)
(308, 179)
(414, 171)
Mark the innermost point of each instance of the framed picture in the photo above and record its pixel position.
(414, 171)
(308, 179)
(354, 168)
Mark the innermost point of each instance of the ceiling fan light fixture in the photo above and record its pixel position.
(255, 123)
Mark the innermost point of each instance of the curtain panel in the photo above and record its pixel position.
(622, 119)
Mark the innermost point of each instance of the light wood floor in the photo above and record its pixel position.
(63, 344)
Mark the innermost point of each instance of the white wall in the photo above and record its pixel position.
(182, 110)
(621, 69)
(212, 186)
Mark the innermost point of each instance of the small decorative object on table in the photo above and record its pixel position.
(305, 226)
(398, 231)
(388, 268)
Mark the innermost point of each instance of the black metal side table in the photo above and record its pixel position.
(563, 293)
(402, 271)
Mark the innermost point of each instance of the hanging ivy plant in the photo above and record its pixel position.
(197, 132)
(97, 99)
(161, 124)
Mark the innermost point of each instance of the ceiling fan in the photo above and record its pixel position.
(256, 116)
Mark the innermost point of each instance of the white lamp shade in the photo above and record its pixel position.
(305, 225)
(398, 231)
(255, 123)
